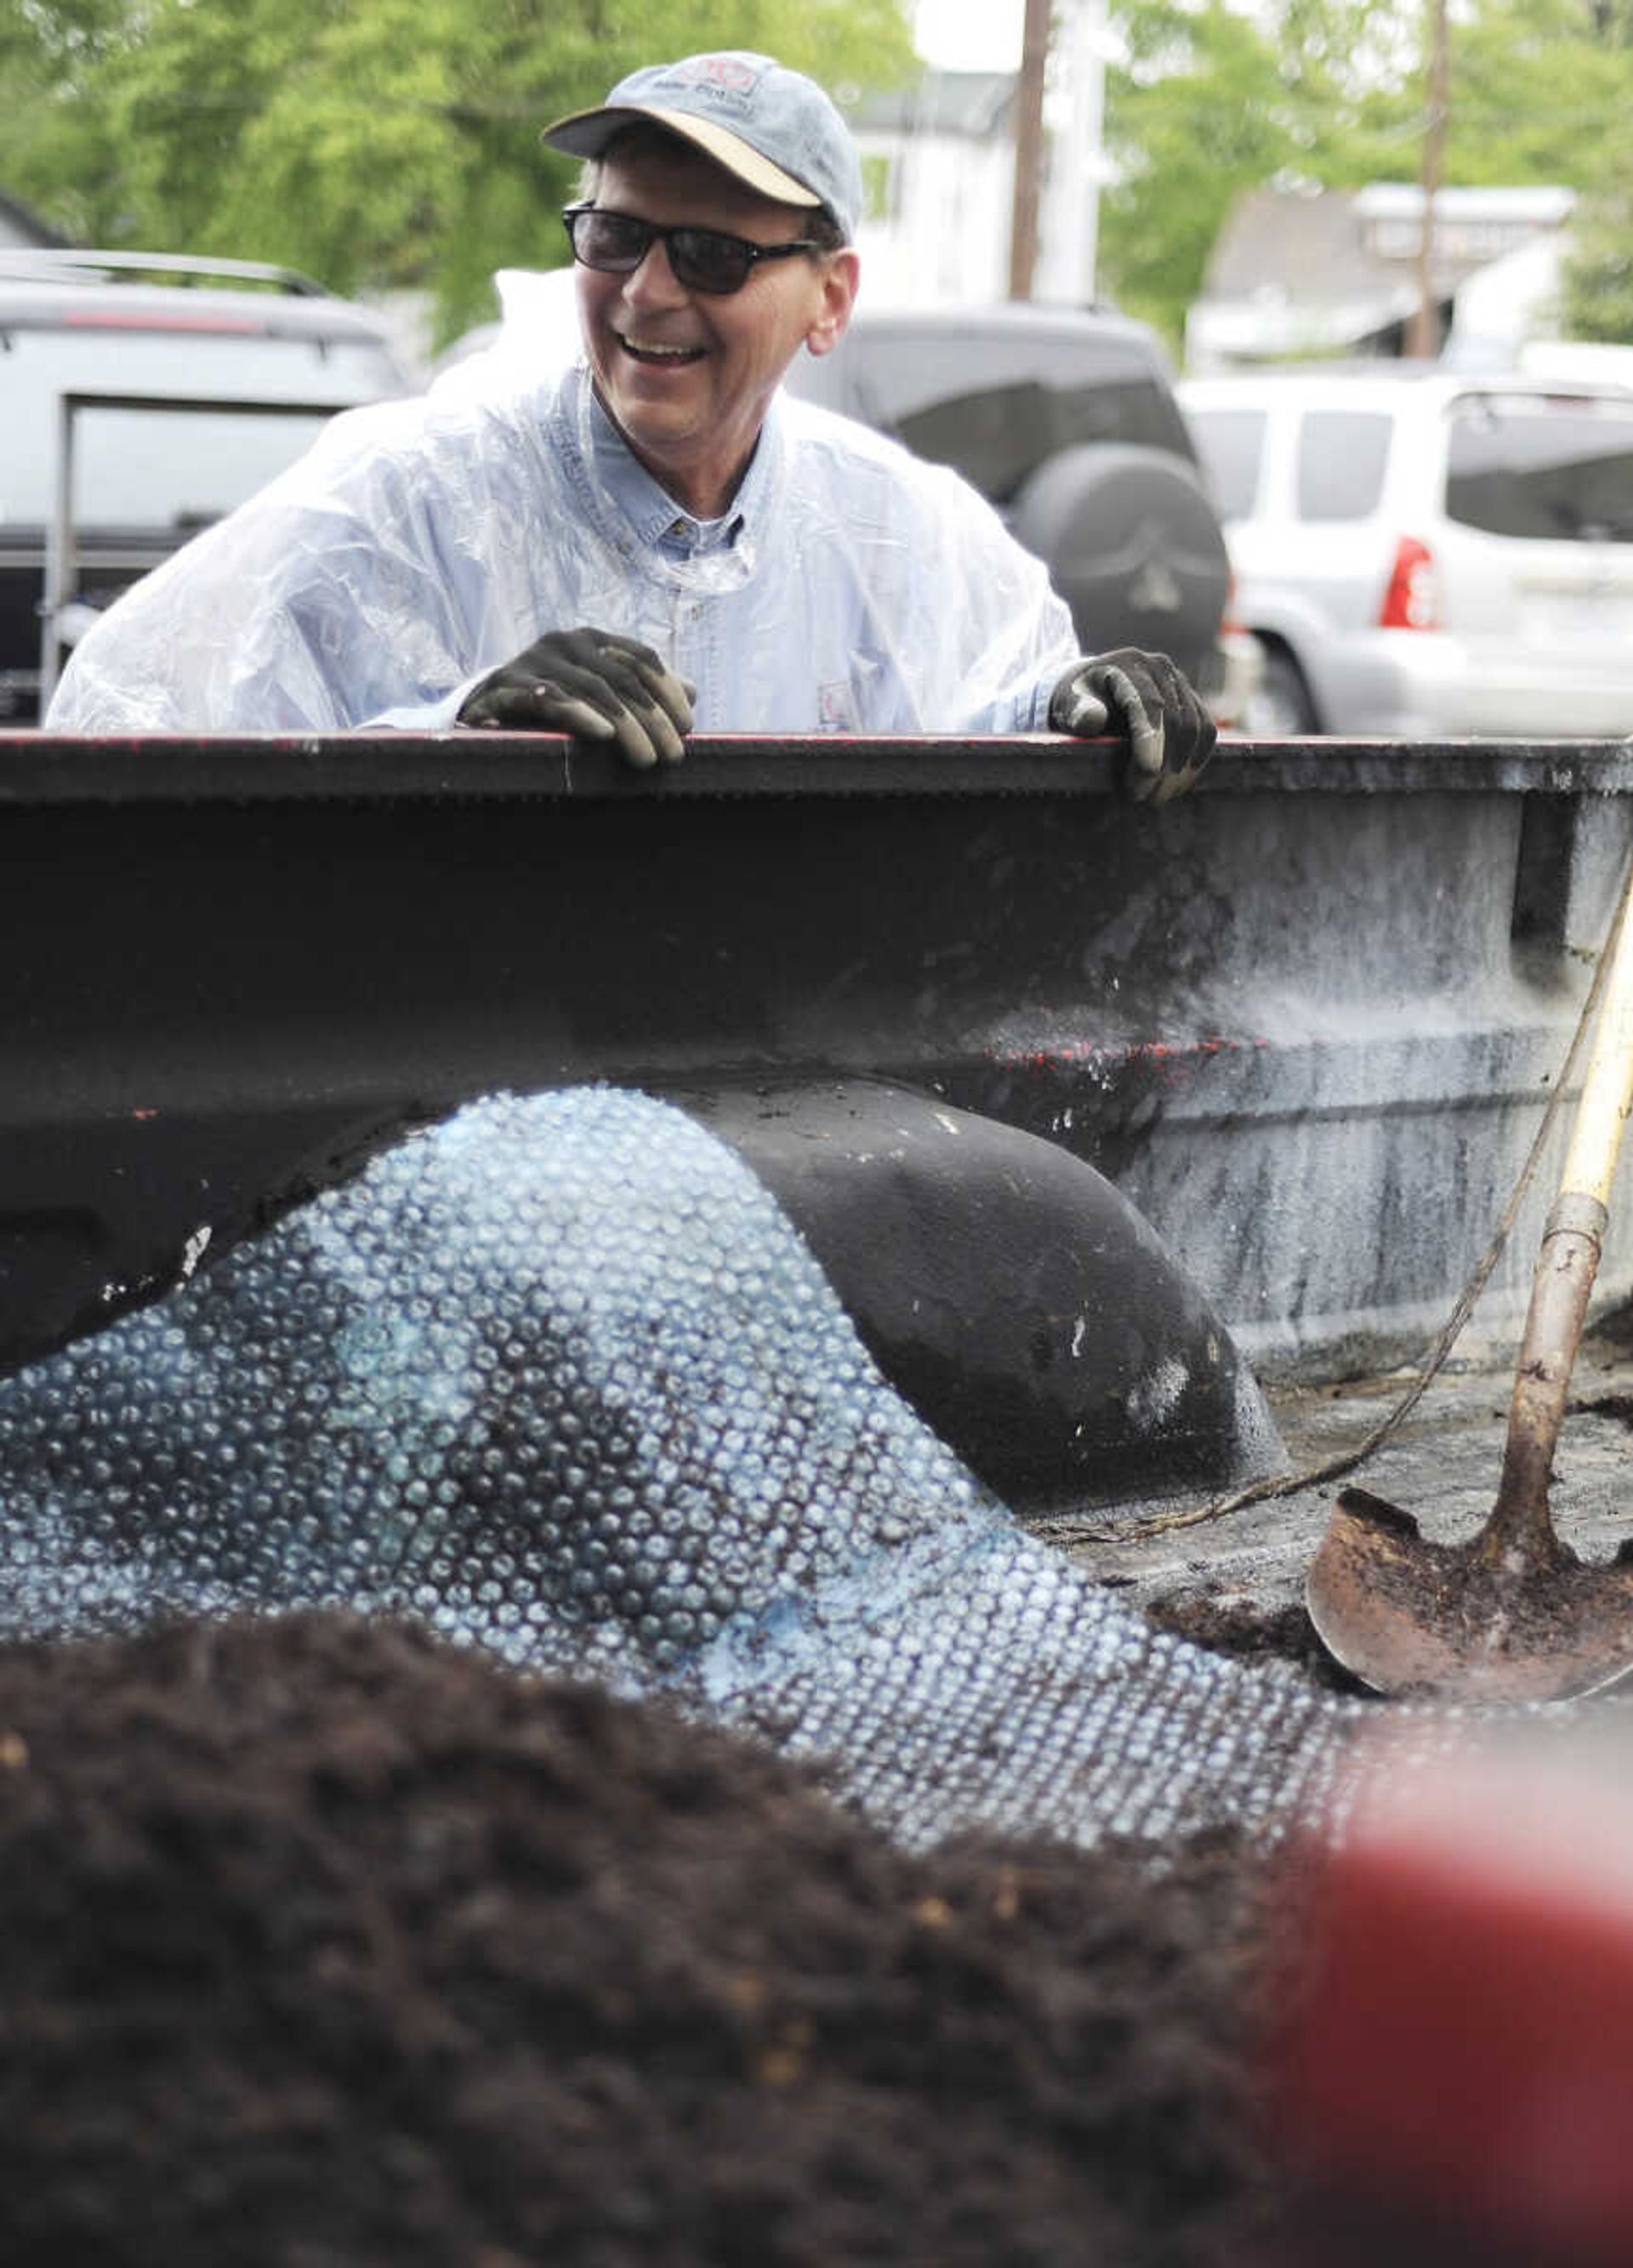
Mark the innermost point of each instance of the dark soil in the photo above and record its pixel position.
(324, 1944)
(1252, 1633)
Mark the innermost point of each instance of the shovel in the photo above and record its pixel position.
(1514, 1613)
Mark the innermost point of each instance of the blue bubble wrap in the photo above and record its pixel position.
(558, 1378)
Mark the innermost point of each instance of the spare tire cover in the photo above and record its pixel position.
(1133, 546)
(1031, 1316)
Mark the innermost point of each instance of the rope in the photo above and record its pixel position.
(1348, 1461)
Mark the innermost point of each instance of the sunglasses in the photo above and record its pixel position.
(701, 258)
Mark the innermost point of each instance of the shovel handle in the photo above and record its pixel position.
(1566, 1267)
(1608, 1083)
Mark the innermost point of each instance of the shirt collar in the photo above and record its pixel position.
(650, 510)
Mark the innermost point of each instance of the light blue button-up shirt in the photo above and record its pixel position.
(651, 511)
(422, 543)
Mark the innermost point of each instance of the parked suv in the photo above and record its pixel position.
(1066, 420)
(1423, 553)
(212, 376)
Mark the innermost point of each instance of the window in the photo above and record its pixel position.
(168, 472)
(1231, 446)
(1543, 466)
(995, 405)
(1341, 456)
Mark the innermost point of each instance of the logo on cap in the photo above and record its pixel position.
(729, 73)
(731, 83)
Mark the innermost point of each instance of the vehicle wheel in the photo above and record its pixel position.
(1134, 546)
(1281, 708)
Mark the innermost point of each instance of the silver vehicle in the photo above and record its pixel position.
(1424, 554)
(142, 395)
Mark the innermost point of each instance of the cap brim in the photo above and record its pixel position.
(586, 134)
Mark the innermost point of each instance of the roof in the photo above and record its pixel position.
(972, 105)
(1539, 207)
(1282, 237)
(1368, 379)
(46, 289)
(1297, 268)
(1328, 245)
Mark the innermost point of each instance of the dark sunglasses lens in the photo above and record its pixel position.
(610, 241)
(704, 260)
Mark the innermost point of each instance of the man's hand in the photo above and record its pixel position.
(1170, 735)
(594, 685)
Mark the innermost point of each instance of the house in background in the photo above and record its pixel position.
(938, 161)
(1299, 271)
(938, 165)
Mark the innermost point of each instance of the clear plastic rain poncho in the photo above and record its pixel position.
(421, 544)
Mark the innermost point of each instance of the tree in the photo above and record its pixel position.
(1597, 280)
(1210, 102)
(55, 150)
(374, 143)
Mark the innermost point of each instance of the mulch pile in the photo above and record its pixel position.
(327, 1945)
(1250, 1632)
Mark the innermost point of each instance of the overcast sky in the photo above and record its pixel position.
(970, 35)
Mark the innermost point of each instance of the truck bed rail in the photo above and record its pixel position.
(1306, 1017)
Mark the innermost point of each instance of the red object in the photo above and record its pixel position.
(1228, 621)
(1463, 2057)
(1412, 596)
(128, 319)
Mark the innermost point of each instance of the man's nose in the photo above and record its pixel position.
(653, 283)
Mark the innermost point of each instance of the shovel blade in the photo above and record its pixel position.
(1408, 1616)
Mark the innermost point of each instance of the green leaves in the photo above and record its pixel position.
(1199, 111)
(1598, 281)
(1210, 101)
(375, 143)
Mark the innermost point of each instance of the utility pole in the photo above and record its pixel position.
(1423, 332)
(1069, 224)
(1029, 144)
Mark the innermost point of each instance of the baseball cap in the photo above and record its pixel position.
(773, 128)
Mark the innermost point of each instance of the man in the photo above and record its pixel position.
(654, 540)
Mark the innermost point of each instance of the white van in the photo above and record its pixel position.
(1426, 554)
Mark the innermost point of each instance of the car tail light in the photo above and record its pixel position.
(1228, 620)
(1412, 601)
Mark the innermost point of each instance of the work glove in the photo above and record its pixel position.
(1170, 735)
(594, 685)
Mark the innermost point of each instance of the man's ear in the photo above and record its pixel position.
(840, 277)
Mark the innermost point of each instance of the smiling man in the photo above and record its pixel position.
(654, 540)
(686, 369)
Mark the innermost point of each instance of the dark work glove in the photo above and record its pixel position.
(594, 685)
(1170, 735)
